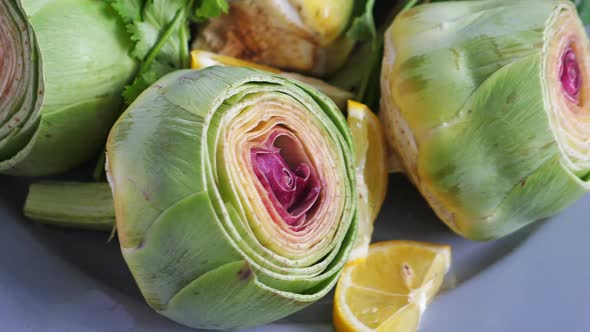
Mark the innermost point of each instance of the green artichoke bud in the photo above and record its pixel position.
(486, 104)
(298, 35)
(63, 65)
(234, 195)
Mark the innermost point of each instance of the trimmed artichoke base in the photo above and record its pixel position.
(13, 72)
(197, 229)
(490, 127)
(61, 82)
(19, 85)
(298, 35)
(570, 114)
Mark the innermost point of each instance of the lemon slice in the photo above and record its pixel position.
(202, 59)
(371, 171)
(390, 289)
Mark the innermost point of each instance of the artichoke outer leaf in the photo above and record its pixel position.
(469, 55)
(233, 290)
(98, 114)
(472, 165)
(153, 188)
(530, 200)
(245, 297)
(471, 160)
(174, 251)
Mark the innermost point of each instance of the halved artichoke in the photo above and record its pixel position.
(487, 105)
(63, 65)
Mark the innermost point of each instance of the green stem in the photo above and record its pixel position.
(162, 41)
(185, 37)
(410, 4)
(362, 70)
(72, 205)
(184, 48)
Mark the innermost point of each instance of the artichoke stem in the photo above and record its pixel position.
(75, 205)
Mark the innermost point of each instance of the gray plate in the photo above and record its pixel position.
(534, 280)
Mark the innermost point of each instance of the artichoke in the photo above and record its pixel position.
(297, 35)
(486, 104)
(63, 65)
(234, 195)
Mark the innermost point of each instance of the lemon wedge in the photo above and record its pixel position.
(390, 289)
(202, 59)
(371, 171)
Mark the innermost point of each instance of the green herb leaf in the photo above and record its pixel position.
(206, 9)
(361, 72)
(410, 4)
(363, 25)
(129, 10)
(160, 31)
